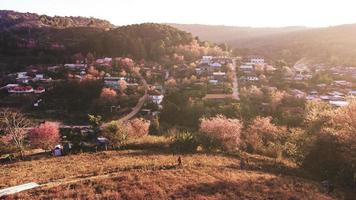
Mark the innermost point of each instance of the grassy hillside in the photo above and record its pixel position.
(145, 173)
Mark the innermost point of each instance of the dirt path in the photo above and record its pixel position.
(235, 88)
(139, 104)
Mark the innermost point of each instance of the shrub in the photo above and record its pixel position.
(138, 127)
(154, 128)
(116, 132)
(45, 136)
(264, 137)
(220, 133)
(184, 141)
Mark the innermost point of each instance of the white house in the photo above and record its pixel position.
(216, 65)
(75, 66)
(155, 96)
(248, 67)
(206, 59)
(257, 60)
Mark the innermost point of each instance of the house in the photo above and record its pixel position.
(257, 60)
(247, 68)
(75, 67)
(53, 68)
(342, 83)
(298, 93)
(113, 82)
(155, 96)
(220, 76)
(217, 97)
(206, 59)
(215, 66)
(339, 103)
(106, 62)
(20, 90)
(39, 90)
(352, 93)
(213, 82)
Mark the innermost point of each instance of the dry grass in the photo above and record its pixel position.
(144, 174)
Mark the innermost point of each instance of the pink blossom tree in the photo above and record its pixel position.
(122, 85)
(108, 94)
(222, 130)
(138, 127)
(45, 136)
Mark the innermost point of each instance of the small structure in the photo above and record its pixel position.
(18, 188)
(155, 96)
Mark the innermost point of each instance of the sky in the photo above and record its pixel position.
(254, 13)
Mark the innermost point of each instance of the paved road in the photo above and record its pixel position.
(139, 104)
(235, 88)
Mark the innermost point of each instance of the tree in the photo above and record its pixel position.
(116, 132)
(95, 122)
(13, 126)
(45, 136)
(263, 137)
(223, 133)
(122, 85)
(138, 127)
(108, 94)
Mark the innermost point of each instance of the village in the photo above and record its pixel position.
(211, 77)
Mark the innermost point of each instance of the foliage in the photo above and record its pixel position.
(95, 122)
(108, 94)
(221, 132)
(45, 136)
(138, 127)
(13, 129)
(263, 137)
(184, 141)
(116, 132)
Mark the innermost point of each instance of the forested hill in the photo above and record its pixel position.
(331, 45)
(23, 45)
(12, 19)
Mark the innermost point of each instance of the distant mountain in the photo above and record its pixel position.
(12, 19)
(219, 33)
(332, 45)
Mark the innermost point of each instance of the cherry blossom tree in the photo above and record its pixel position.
(222, 130)
(45, 136)
(108, 94)
(138, 127)
(122, 85)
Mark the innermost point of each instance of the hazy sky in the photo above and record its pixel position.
(255, 13)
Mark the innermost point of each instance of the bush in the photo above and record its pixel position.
(263, 137)
(184, 142)
(220, 133)
(116, 132)
(138, 127)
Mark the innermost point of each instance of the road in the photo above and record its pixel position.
(235, 88)
(139, 104)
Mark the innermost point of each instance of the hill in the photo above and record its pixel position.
(149, 174)
(220, 33)
(331, 45)
(27, 38)
(12, 20)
